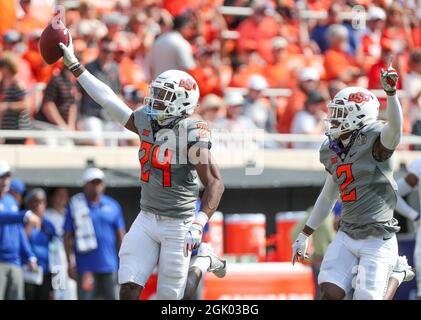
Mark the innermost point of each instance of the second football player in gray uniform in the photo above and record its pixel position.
(174, 154)
(357, 157)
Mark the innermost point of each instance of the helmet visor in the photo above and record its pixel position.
(336, 111)
(160, 97)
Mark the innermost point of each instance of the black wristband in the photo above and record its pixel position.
(74, 67)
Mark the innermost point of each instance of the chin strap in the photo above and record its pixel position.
(338, 147)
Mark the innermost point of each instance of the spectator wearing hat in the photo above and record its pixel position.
(40, 240)
(309, 80)
(211, 109)
(309, 120)
(93, 118)
(17, 189)
(256, 106)
(235, 121)
(172, 50)
(93, 230)
(15, 249)
(338, 63)
(14, 113)
(28, 22)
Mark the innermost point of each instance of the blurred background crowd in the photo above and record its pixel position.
(266, 64)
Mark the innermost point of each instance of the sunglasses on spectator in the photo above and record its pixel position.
(6, 175)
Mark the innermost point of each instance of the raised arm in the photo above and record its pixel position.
(391, 133)
(99, 91)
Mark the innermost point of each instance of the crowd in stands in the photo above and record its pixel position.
(57, 247)
(126, 43)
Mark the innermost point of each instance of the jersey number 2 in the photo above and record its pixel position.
(164, 166)
(347, 170)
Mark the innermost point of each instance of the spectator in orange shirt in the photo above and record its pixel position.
(309, 80)
(42, 72)
(258, 30)
(339, 65)
(207, 72)
(277, 72)
(28, 22)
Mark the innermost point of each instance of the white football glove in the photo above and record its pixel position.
(389, 78)
(193, 238)
(69, 58)
(299, 248)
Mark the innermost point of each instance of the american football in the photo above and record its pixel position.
(52, 35)
(210, 150)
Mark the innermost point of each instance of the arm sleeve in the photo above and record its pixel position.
(404, 209)
(11, 217)
(105, 97)
(324, 203)
(391, 133)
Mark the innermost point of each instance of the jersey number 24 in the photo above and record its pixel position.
(164, 166)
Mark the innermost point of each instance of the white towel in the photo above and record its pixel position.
(84, 229)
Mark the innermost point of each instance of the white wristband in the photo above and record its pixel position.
(27, 215)
(201, 218)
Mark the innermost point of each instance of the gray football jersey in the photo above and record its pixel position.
(367, 187)
(169, 181)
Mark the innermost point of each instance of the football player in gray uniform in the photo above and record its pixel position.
(174, 154)
(405, 186)
(357, 156)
